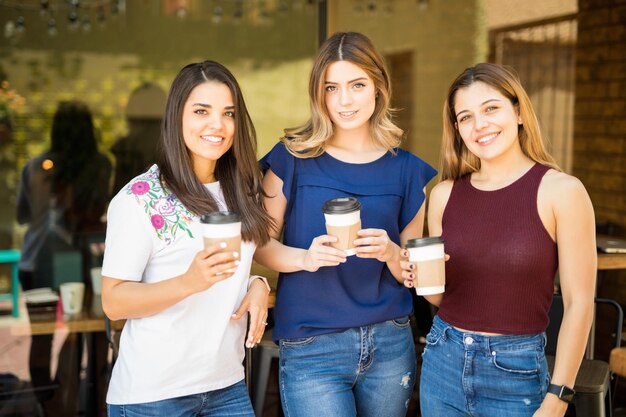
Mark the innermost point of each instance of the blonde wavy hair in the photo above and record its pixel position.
(307, 141)
(456, 160)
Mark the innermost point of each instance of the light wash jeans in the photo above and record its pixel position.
(367, 371)
(226, 402)
(470, 375)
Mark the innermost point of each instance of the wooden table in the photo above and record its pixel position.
(611, 261)
(90, 327)
(606, 262)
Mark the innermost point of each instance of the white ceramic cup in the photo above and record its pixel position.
(96, 280)
(429, 254)
(72, 294)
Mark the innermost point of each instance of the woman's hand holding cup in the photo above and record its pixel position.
(409, 269)
(375, 243)
(209, 266)
(320, 254)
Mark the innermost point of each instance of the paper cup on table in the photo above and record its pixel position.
(72, 294)
(429, 254)
(222, 226)
(343, 220)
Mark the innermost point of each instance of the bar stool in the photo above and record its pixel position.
(264, 352)
(12, 256)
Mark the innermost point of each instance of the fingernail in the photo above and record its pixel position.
(236, 262)
(412, 266)
(222, 245)
(412, 276)
(234, 315)
(236, 254)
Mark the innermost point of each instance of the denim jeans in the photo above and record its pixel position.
(367, 371)
(225, 402)
(468, 374)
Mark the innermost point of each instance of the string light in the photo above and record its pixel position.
(217, 15)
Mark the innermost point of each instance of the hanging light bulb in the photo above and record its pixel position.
(52, 27)
(20, 25)
(86, 24)
(238, 14)
(100, 16)
(72, 19)
(44, 7)
(115, 7)
(9, 29)
(217, 15)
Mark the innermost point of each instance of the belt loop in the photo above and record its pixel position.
(443, 334)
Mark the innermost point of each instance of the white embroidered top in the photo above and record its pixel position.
(192, 346)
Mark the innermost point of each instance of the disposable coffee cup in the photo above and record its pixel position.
(222, 226)
(72, 294)
(429, 254)
(343, 220)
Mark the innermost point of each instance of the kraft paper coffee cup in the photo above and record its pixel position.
(222, 226)
(429, 254)
(72, 294)
(343, 220)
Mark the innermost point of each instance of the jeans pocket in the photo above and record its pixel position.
(520, 362)
(401, 322)
(300, 341)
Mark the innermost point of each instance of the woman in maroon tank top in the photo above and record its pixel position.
(509, 217)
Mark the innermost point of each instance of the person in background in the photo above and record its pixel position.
(182, 347)
(346, 346)
(62, 195)
(509, 218)
(137, 151)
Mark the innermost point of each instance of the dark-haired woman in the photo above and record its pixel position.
(182, 347)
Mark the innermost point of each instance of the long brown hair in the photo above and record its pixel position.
(456, 159)
(307, 141)
(237, 170)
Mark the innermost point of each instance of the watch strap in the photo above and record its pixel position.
(563, 392)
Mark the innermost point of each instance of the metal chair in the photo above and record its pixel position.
(593, 381)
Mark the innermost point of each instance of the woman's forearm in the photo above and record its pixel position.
(279, 257)
(130, 299)
(572, 341)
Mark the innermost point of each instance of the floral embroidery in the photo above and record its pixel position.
(140, 187)
(167, 214)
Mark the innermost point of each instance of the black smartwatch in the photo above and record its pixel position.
(564, 393)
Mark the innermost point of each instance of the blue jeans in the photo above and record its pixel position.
(367, 371)
(467, 374)
(225, 402)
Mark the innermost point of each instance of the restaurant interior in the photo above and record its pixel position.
(118, 57)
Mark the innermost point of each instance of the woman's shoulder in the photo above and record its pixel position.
(145, 195)
(558, 180)
(562, 189)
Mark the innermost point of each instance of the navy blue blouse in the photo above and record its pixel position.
(361, 291)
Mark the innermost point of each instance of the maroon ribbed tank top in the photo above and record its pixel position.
(502, 265)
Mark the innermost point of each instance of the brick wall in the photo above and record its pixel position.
(600, 135)
(600, 109)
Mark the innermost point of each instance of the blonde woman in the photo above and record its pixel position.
(509, 218)
(342, 322)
